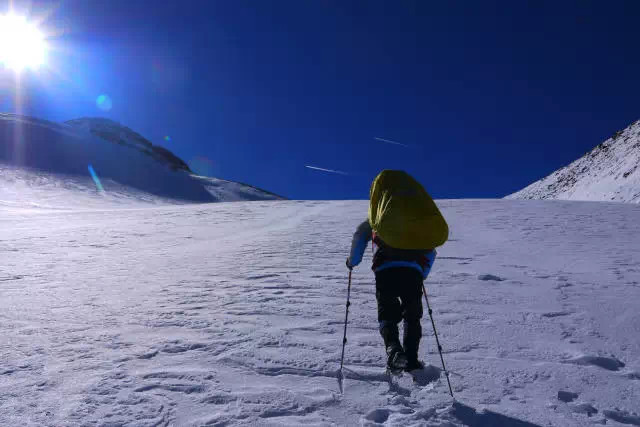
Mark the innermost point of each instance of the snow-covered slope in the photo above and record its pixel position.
(118, 134)
(232, 314)
(611, 171)
(47, 164)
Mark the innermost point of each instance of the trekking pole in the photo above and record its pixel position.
(344, 338)
(446, 373)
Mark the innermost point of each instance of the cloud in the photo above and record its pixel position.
(388, 141)
(326, 170)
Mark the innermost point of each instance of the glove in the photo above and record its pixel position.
(349, 266)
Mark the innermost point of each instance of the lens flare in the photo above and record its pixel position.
(22, 45)
(104, 103)
(167, 138)
(94, 175)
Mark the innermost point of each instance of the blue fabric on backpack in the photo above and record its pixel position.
(431, 257)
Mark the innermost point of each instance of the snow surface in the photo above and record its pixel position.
(46, 164)
(609, 172)
(232, 314)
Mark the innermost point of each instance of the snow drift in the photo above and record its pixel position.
(47, 164)
(609, 172)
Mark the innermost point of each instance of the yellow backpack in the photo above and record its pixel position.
(403, 214)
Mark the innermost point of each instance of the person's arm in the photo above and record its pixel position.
(361, 237)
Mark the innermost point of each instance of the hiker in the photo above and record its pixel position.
(406, 227)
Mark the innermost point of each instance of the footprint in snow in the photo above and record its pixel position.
(633, 375)
(262, 276)
(567, 396)
(378, 416)
(584, 408)
(182, 347)
(14, 277)
(608, 363)
(491, 400)
(556, 314)
(179, 388)
(490, 278)
(623, 417)
(148, 355)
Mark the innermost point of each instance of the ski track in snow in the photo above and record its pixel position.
(232, 314)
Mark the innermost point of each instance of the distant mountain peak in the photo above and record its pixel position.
(117, 133)
(609, 172)
(94, 162)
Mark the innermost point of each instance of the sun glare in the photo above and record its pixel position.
(22, 45)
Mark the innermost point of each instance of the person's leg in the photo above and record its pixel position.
(389, 313)
(411, 297)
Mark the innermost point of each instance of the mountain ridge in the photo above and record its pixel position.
(118, 133)
(608, 172)
(92, 161)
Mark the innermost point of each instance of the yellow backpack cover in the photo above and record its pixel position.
(403, 214)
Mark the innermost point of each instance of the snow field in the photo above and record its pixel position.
(232, 314)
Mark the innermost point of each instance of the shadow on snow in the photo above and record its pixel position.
(470, 417)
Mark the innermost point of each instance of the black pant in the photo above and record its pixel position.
(399, 296)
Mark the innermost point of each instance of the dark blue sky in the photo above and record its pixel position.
(488, 96)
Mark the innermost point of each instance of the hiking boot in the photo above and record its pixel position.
(397, 360)
(411, 339)
(414, 364)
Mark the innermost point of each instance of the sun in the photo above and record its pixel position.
(22, 45)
